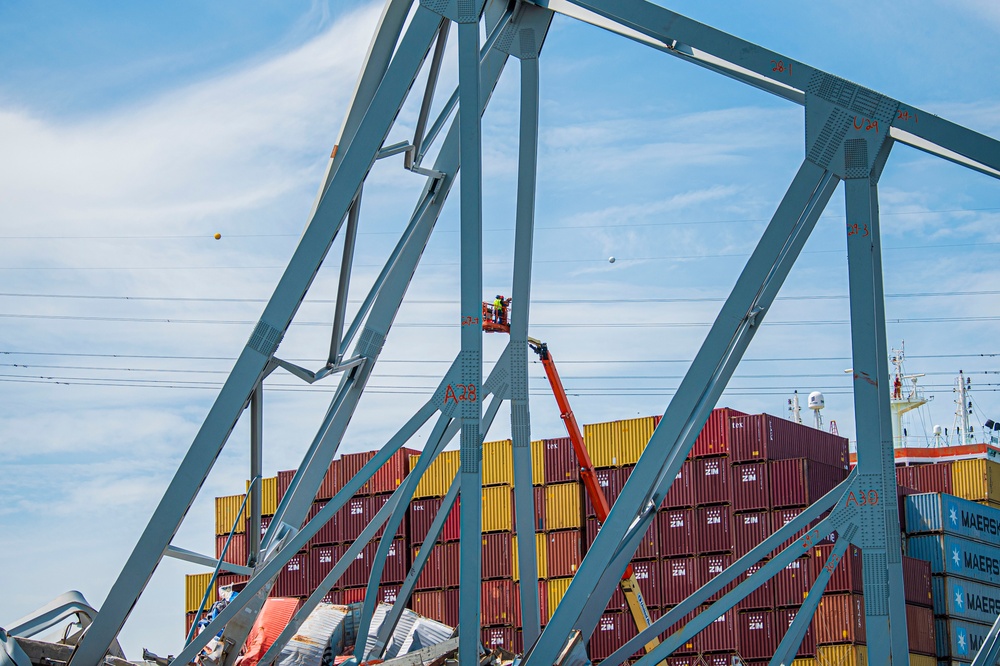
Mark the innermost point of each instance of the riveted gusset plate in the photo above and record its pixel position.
(523, 36)
(460, 11)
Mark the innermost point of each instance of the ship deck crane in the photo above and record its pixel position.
(494, 322)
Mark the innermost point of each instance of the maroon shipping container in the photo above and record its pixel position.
(720, 636)
(711, 481)
(224, 579)
(800, 482)
(760, 599)
(751, 487)
(440, 605)
(331, 484)
(649, 547)
(236, 553)
(502, 638)
(565, 552)
(441, 569)
(321, 562)
(500, 605)
(498, 555)
(293, 579)
(376, 503)
(847, 577)
(749, 529)
(359, 570)
(543, 598)
(766, 437)
(714, 438)
(678, 580)
(792, 584)
(711, 566)
(933, 478)
(560, 461)
(611, 482)
(757, 634)
(784, 619)
(647, 574)
(421, 515)
(611, 633)
(358, 513)
(353, 595)
(329, 533)
(350, 465)
(265, 523)
(712, 532)
(781, 517)
(920, 629)
(284, 481)
(681, 493)
(676, 528)
(387, 594)
(397, 563)
(723, 659)
(840, 618)
(539, 509)
(917, 581)
(388, 477)
(334, 597)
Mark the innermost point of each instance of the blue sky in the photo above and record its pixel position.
(133, 133)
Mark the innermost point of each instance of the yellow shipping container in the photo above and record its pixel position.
(226, 511)
(556, 590)
(439, 475)
(194, 591)
(563, 506)
(633, 437)
(498, 514)
(804, 661)
(541, 556)
(618, 443)
(538, 462)
(599, 438)
(922, 660)
(841, 655)
(976, 480)
(498, 463)
(268, 496)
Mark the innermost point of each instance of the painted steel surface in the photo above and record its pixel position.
(783, 620)
(966, 599)
(761, 598)
(676, 527)
(194, 591)
(847, 577)
(751, 487)
(438, 477)
(560, 461)
(498, 555)
(955, 556)
(797, 482)
(720, 636)
(226, 510)
(934, 478)
(564, 506)
(712, 532)
(498, 509)
(539, 497)
(840, 618)
(959, 639)
(749, 529)
(920, 629)
(977, 480)
(757, 634)
(222, 580)
(711, 481)
(681, 493)
(649, 547)
(939, 513)
(357, 573)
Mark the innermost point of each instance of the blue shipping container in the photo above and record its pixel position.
(958, 639)
(955, 556)
(966, 599)
(938, 513)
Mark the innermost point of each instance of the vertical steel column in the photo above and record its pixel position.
(520, 417)
(885, 611)
(469, 392)
(256, 472)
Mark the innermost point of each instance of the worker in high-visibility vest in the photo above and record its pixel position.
(498, 310)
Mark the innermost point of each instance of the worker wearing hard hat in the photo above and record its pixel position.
(498, 310)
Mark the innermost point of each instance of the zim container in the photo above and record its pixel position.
(647, 575)
(611, 632)
(760, 599)
(681, 492)
(565, 552)
(840, 618)
(711, 566)
(766, 437)
(676, 528)
(611, 482)
(749, 529)
(783, 620)
(541, 556)
(966, 600)
(720, 636)
(441, 569)
(564, 506)
(561, 464)
(712, 532)
(502, 638)
(321, 562)
(397, 562)
(499, 605)
(714, 438)
(439, 474)
(955, 556)
(959, 639)
(800, 482)
(791, 584)
(679, 579)
(293, 579)
(946, 514)
(757, 634)
(751, 487)
(711, 481)
(977, 480)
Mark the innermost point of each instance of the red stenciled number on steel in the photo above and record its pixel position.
(810, 539)
(832, 563)
(867, 124)
(906, 116)
(858, 229)
(780, 67)
(470, 321)
(862, 498)
(460, 393)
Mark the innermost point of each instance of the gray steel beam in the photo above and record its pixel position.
(701, 387)
(425, 104)
(344, 283)
(256, 472)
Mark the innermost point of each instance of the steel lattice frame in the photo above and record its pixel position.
(849, 133)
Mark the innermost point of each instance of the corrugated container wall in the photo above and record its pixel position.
(714, 438)
(751, 487)
(350, 465)
(977, 480)
(437, 479)
(618, 443)
(563, 506)
(842, 655)
(498, 463)
(498, 555)
(932, 513)
(388, 477)
(227, 509)
(936, 478)
(331, 481)
(560, 461)
(766, 437)
(758, 634)
(498, 509)
(194, 591)
(565, 551)
(541, 556)
(840, 618)
(556, 590)
(966, 599)
(955, 556)
(268, 496)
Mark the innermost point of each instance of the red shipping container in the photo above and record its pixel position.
(293, 579)
(377, 502)
(647, 574)
(932, 478)
(751, 487)
(560, 461)
(350, 465)
(681, 492)
(543, 598)
(353, 595)
(920, 630)
(649, 547)
(498, 555)
(387, 594)
(434, 575)
(720, 636)
(284, 481)
(712, 532)
(711, 481)
(676, 528)
(358, 572)
(784, 619)
(917, 581)
(611, 482)
(358, 513)
(781, 517)
(749, 529)
(689, 647)
(388, 477)
(397, 563)
(422, 513)
(847, 577)
(711, 566)
(679, 579)
(840, 618)
(321, 562)
(224, 579)
(236, 553)
(766, 437)
(792, 584)
(331, 484)
(760, 599)
(723, 659)
(714, 438)
(757, 634)
(565, 552)
(500, 605)
(265, 523)
(800, 482)
(501, 638)
(609, 635)
(440, 605)
(334, 597)
(329, 533)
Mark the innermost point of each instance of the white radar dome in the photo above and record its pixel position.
(937, 430)
(816, 400)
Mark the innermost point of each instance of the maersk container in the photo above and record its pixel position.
(757, 634)
(561, 463)
(676, 527)
(977, 480)
(959, 639)
(751, 487)
(563, 506)
(711, 481)
(955, 556)
(966, 599)
(541, 556)
(946, 514)
(679, 579)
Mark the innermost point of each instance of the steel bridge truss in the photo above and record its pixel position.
(849, 133)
